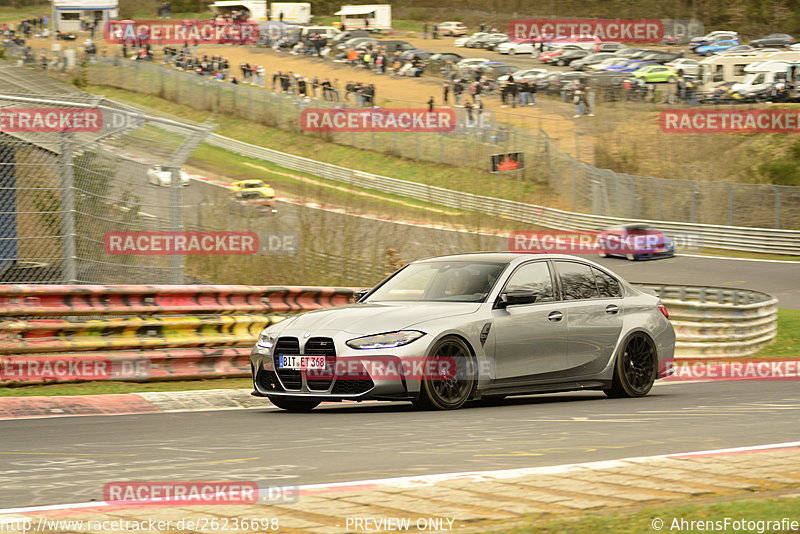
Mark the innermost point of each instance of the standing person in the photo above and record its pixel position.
(431, 105)
(533, 87)
(458, 89)
(470, 118)
(512, 91)
(435, 31)
(446, 93)
(425, 31)
(523, 88)
(371, 94)
(578, 100)
(302, 87)
(314, 86)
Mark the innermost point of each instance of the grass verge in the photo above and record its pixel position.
(669, 519)
(787, 343)
(107, 387)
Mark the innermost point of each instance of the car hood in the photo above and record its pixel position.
(376, 318)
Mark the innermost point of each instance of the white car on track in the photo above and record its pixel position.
(157, 175)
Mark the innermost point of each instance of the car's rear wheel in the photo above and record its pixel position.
(293, 405)
(635, 369)
(449, 376)
(671, 79)
(630, 257)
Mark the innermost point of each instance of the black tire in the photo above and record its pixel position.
(635, 369)
(293, 405)
(447, 392)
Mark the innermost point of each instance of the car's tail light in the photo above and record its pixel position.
(663, 310)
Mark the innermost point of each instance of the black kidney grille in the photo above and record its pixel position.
(288, 345)
(321, 346)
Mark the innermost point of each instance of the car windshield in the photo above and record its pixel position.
(252, 185)
(437, 281)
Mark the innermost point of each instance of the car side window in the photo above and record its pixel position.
(606, 284)
(534, 276)
(577, 281)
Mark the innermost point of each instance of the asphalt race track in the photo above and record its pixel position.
(67, 460)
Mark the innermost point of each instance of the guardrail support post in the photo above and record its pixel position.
(777, 193)
(70, 271)
(176, 222)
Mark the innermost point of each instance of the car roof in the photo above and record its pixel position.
(498, 257)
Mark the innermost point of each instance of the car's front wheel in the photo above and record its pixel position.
(635, 369)
(293, 405)
(448, 378)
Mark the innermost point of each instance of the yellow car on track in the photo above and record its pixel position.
(254, 186)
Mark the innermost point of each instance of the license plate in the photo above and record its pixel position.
(301, 363)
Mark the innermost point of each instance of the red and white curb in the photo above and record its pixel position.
(429, 480)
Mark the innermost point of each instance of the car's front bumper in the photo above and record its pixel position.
(384, 374)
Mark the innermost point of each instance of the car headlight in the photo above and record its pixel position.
(386, 340)
(266, 340)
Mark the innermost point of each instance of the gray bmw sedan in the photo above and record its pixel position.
(445, 330)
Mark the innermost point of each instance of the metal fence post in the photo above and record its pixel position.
(777, 193)
(176, 222)
(69, 252)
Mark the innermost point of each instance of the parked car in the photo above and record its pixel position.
(657, 73)
(554, 82)
(495, 69)
(423, 55)
(555, 322)
(627, 52)
(395, 46)
(738, 49)
(569, 56)
(552, 56)
(634, 242)
(345, 36)
(716, 46)
(661, 57)
(516, 47)
(608, 47)
(773, 39)
(524, 74)
(157, 175)
(475, 42)
(446, 56)
(685, 65)
(608, 64)
(452, 28)
(592, 59)
(488, 42)
(464, 40)
(713, 36)
(471, 62)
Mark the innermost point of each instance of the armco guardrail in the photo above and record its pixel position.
(747, 239)
(709, 322)
(716, 321)
(141, 332)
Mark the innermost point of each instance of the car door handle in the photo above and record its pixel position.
(612, 309)
(555, 316)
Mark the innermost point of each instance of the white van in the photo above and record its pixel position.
(761, 75)
(717, 70)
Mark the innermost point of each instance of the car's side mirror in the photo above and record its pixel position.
(361, 293)
(516, 296)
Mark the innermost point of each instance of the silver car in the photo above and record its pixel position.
(442, 331)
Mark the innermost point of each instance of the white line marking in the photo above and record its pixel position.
(469, 475)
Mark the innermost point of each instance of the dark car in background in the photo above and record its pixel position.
(591, 59)
(491, 42)
(773, 39)
(635, 242)
(572, 55)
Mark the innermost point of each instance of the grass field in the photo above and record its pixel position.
(668, 518)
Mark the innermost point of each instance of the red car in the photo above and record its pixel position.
(553, 55)
(634, 242)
